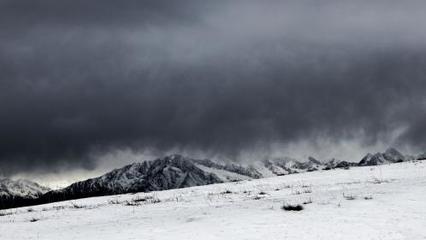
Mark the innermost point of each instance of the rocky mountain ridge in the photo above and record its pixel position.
(176, 171)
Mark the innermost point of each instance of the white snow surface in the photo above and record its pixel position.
(380, 202)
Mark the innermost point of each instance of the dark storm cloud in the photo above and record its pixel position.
(78, 77)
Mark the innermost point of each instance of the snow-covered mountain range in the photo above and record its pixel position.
(19, 192)
(176, 171)
(391, 155)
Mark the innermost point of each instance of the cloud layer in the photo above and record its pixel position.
(223, 78)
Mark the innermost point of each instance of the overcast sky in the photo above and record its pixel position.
(81, 80)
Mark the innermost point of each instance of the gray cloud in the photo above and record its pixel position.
(78, 78)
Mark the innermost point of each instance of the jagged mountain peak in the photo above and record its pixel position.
(421, 156)
(391, 155)
(313, 160)
(392, 150)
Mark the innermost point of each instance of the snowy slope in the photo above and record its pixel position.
(378, 202)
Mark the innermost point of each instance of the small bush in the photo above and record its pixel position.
(289, 207)
(309, 201)
(349, 197)
(114, 202)
(368, 197)
(142, 199)
(226, 192)
(139, 201)
(131, 204)
(262, 193)
(77, 206)
(34, 219)
(57, 208)
(307, 190)
(380, 181)
(5, 214)
(257, 198)
(303, 191)
(30, 210)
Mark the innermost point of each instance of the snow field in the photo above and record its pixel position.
(382, 202)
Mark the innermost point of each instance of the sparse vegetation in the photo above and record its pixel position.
(131, 204)
(290, 207)
(114, 202)
(257, 197)
(307, 190)
(226, 192)
(3, 213)
(349, 197)
(380, 181)
(302, 191)
(140, 200)
(74, 205)
(368, 198)
(59, 207)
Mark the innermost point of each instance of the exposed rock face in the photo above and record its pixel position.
(392, 155)
(335, 163)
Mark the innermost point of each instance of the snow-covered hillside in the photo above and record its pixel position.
(373, 202)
